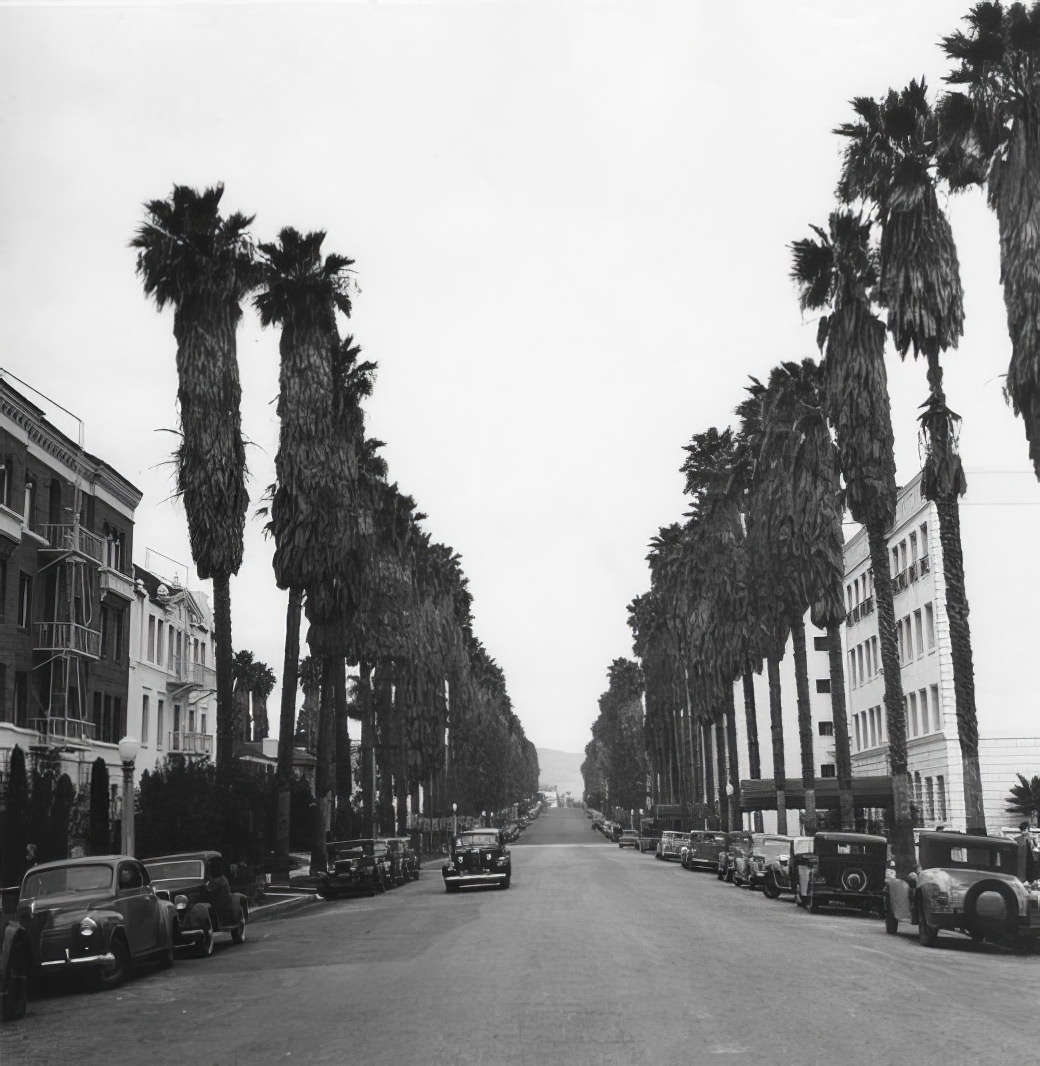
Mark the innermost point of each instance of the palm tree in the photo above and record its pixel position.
(262, 686)
(839, 270)
(1024, 798)
(202, 264)
(243, 666)
(991, 137)
(890, 160)
(302, 293)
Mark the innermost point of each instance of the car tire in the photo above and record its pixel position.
(114, 977)
(927, 933)
(719, 873)
(799, 899)
(770, 889)
(505, 883)
(238, 934)
(14, 993)
(451, 888)
(814, 906)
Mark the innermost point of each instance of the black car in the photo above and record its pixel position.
(844, 868)
(404, 862)
(477, 857)
(356, 867)
(198, 885)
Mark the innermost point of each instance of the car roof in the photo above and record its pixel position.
(180, 856)
(968, 840)
(83, 860)
(852, 838)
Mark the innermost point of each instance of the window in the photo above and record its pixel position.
(940, 795)
(902, 555)
(855, 585)
(826, 729)
(895, 561)
(117, 636)
(873, 729)
(852, 669)
(151, 638)
(24, 601)
(919, 631)
(917, 791)
(828, 769)
(170, 642)
(913, 547)
(877, 656)
(159, 725)
(105, 629)
(819, 644)
(937, 714)
(912, 698)
(922, 699)
(118, 719)
(929, 626)
(6, 476)
(202, 723)
(203, 659)
(859, 736)
(29, 506)
(144, 719)
(823, 684)
(98, 719)
(21, 698)
(859, 661)
(159, 643)
(929, 800)
(848, 595)
(924, 538)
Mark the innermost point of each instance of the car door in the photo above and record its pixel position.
(139, 907)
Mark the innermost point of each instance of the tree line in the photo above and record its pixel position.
(760, 547)
(350, 550)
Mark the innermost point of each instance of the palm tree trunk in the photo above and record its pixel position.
(735, 817)
(776, 726)
(751, 724)
(367, 751)
(709, 769)
(842, 749)
(227, 726)
(805, 730)
(401, 789)
(720, 777)
(895, 716)
(287, 720)
(344, 784)
(324, 770)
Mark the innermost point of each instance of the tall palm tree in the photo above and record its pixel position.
(838, 270)
(302, 292)
(202, 264)
(891, 160)
(262, 686)
(243, 665)
(991, 137)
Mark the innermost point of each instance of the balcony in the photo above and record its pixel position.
(114, 581)
(76, 539)
(190, 743)
(63, 730)
(188, 674)
(10, 524)
(67, 636)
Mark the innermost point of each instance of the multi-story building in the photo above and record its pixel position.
(172, 679)
(66, 537)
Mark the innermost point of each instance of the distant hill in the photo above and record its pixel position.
(562, 769)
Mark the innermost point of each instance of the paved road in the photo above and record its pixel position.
(594, 956)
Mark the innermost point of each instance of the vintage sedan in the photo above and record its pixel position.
(477, 857)
(848, 869)
(629, 839)
(670, 845)
(198, 885)
(404, 862)
(769, 848)
(702, 848)
(15, 966)
(737, 842)
(776, 877)
(356, 867)
(967, 884)
(97, 915)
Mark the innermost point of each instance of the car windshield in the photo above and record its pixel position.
(477, 840)
(182, 870)
(356, 845)
(62, 879)
(771, 849)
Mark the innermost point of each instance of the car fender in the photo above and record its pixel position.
(898, 894)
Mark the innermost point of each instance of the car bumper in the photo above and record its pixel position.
(483, 878)
(70, 961)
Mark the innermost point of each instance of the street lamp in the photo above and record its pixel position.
(455, 819)
(128, 748)
(483, 819)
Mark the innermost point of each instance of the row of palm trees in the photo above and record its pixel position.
(349, 549)
(761, 546)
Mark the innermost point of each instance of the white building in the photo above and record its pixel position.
(172, 695)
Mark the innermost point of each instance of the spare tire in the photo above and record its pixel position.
(975, 919)
(854, 880)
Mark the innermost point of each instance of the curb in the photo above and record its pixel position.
(278, 908)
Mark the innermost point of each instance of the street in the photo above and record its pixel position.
(595, 955)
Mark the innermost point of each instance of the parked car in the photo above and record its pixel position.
(771, 847)
(843, 868)
(701, 851)
(738, 840)
(15, 966)
(404, 862)
(629, 839)
(776, 877)
(966, 884)
(97, 915)
(356, 867)
(477, 857)
(670, 845)
(197, 884)
(741, 852)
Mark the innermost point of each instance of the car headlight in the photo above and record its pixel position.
(88, 927)
(180, 902)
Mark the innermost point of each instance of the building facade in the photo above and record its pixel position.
(66, 538)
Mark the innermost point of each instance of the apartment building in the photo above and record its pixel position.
(66, 539)
(172, 675)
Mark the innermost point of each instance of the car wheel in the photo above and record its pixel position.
(15, 991)
(814, 906)
(926, 932)
(238, 934)
(505, 883)
(799, 899)
(115, 975)
(451, 888)
(769, 889)
(719, 873)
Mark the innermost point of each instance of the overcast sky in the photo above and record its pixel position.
(570, 223)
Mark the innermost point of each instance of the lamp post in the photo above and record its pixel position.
(454, 819)
(128, 748)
